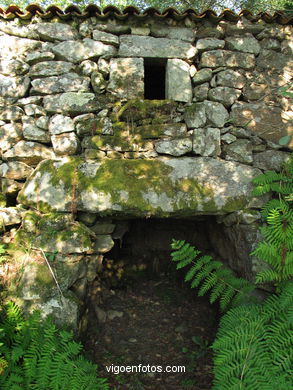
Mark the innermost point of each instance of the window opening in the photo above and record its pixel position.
(154, 78)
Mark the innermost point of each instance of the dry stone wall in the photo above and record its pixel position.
(78, 137)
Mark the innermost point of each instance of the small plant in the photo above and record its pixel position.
(34, 354)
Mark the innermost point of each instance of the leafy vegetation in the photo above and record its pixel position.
(34, 354)
(253, 347)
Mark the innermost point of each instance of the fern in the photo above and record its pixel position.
(210, 275)
(35, 355)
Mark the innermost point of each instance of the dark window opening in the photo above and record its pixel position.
(154, 78)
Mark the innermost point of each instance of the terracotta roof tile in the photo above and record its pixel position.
(31, 10)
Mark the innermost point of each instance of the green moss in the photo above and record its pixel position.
(141, 109)
(2, 200)
(44, 276)
(234, 204)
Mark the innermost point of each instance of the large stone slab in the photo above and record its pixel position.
(30, 153)
(247, 44)
(50, 68)
(178, 82)
(230, 59)
(269, 122)
(71, 102)
(77, 51)
(162, 187)
(140, 46)
(55, 31)
(70, 82)
(126, 78)
(15, 46)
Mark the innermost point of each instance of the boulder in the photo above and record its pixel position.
(163, 187)
(13, 67)
(10, 216)
(59, 124)
(200, 93)
(240, 150)
(105, 37)
(216, 114)
(11, 113)
(182, 33)
(13, 46)
(195, 115)
(32, 132)
(230, 78)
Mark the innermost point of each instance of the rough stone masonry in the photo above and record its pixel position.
(81, 146)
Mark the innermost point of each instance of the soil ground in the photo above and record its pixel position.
(162, 323)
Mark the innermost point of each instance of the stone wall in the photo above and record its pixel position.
(78, 138)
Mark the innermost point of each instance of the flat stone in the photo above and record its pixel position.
(117, 29)
(15, 170)
(70, 82)
(65, 144)
(29, 152)
(22, 31)
(270, 160)
(225, 95)
(14, 87)
(34, 58)
(43, 122)
(126, 78)
(71, 102)
(13, 67)
(163, 186)
(228, 138)
(270, 122)
(87, 218)
(55, 31)
(270, 44)
(10, 187)
(195, 115)
(105, 37)
(140, 46)
(202, 76)
(12, 46)
(182, 33)
(178, 82)
(33, 133)
(269, 60)
(34, 110)
(200, 92)
(11, 113)
(230, 78)
(207, 141)
(209, 44)
(59, 124)
(140, 30)
(30, 100)
(50, 68)
(240, 150)
(77, 51)
(103, 228)
(163, 130)
(216, 114)
(10, 134)
(229, 59)
(247, 44)
(174, 147)
(103, 244)
(10, 216)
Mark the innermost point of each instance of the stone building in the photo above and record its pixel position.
(136, 127)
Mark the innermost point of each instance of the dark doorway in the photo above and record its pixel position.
(154, 78)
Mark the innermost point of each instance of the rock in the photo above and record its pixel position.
(71, 102)
(103, 66)
(178, 83)
(12, 47)
(103, 243)
(103, 228)
(14, 87)
(163, 130)
(30, 100)
(265, 120)
(209, 44)
(240, 150)
(112, 314)
(32, 133)
(195, 115)
(207, 141)
(11, 113)
(10, 216)
(98, 83)
(117, 29)
(43, 122)
(101, 314)
(55, 31)
(225, 95)
(50, 68)
(77, 51)
(247, 44)
(242, 28)
(269, 60)
(228, 138)
(65, 144)
(182, 33)
(230, 78)
(164, 186)
(202, 76)
(28, 152)
(200, 93)
(15, 170)
(242, 216)
(230, 59)
(13, 67)
(140, 46)
(174, 147)
(270, 44)
(70, 82)
(270, 160)
(59, 124)
(87, 67)
(10, 134)
(216, 114)
(87, 218)
(126, 78)
(34, 58)
(10, 187)
(34, 110)
(105, 37)
(140, 30)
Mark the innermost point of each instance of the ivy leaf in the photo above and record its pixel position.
(285, 140)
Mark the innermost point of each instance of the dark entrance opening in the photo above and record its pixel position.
(154, 78)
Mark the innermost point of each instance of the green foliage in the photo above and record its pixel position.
(210, 275)
(277, 247)
(35, 355)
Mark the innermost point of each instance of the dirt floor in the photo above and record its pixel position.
(156, 322)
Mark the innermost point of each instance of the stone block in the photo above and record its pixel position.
(174, 147)
(216, 113)
(247, 44)
(13, 67)
(202, 76)
(225, 95)
(65, 144)
(230, 78)
(105, 37)
(59, 124)
(13, 87)
(70, 82)
(55, 31)
(230, 59)
(71, 102)
(10, 134)
(207, 142)
(29, 152)
(209, 44)
(50, 68)
(178, 82)
(240, 150)
(270, 160)
(15, 170)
